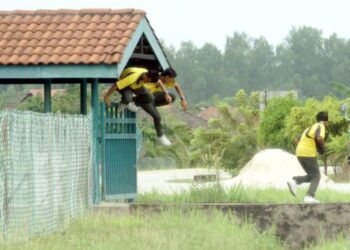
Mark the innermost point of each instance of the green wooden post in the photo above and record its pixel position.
(47, 96)
(102, 133)
(83, 97)
(96, 146)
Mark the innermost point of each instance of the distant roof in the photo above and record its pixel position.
(208, 113)
(87, 36)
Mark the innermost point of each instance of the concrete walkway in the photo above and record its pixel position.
(177, 180)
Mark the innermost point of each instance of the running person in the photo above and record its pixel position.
(312, 141)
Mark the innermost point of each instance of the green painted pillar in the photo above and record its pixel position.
(83, 97)
(96, 146)
(47, 96)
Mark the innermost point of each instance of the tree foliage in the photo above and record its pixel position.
(305, 61)
(232, 135)
(272, 130)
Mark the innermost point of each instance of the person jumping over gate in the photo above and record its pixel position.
(130, 84)
(160, 93)
(312, 141)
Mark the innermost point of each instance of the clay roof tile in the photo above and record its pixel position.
(18, 50)
(82, 26)
(54, 58)
(115, 19)
(32, 26)
(83, 42)
(23, 58)
(63, 42)
(106, 18)
(78, 50)
(96, 19)
(48, 34)
(33, 42)
(12, 27)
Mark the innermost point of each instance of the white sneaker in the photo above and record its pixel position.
(309, 199)
(121, 107)
(163, 140)
(292, 185)
(132, 107)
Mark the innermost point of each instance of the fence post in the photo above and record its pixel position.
(95, 143)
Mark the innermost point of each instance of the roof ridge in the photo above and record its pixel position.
(72, 11)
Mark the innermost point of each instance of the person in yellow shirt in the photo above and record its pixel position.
(131, 87)
(159, 90)
(311, 142)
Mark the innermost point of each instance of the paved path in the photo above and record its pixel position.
(177, 180)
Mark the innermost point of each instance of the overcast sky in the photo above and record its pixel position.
(202, 21)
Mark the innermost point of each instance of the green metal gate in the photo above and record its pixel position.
(119, 153)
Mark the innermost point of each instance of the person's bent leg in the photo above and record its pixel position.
(312, 169)
(126, 96)
(150, 109)
(305, 178)
(153, 112)
(159, 99)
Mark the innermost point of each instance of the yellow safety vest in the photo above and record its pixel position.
(129, 78)
(155, 87)
(307, 146)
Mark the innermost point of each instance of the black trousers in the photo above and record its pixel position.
(145, 100)
(313, 176)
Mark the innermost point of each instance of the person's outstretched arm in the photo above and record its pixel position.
(163, 88)
(182, 96)
(106, 96)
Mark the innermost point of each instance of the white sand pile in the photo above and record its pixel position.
(272, 168)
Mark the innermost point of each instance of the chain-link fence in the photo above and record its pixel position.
(45, 165)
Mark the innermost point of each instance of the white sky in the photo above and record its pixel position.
(202, 21)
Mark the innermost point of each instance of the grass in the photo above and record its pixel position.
(341, 243)
(171, 229)
(216, 193)
(167, 230)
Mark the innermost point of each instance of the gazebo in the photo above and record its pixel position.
(88, 46)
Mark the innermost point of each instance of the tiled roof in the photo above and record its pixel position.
(88, 36)
(208, 113)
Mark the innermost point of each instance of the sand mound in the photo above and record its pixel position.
(272, 168)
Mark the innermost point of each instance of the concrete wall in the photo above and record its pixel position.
(296, 224)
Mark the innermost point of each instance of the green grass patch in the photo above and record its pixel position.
(239, 194)
(339, 243)
(167, 230)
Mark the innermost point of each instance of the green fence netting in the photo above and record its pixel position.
(45, 171)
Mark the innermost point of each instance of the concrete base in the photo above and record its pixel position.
(297, 224)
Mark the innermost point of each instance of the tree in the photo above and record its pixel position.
(232, 135)
(177, 131)
(34, 103)
(261, 58)
(271, 132)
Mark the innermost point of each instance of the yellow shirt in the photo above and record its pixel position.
(129, 78)
(155, 87)
(307, 145)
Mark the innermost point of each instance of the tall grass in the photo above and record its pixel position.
(340, 243)
(216, 193)
(167, 230)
